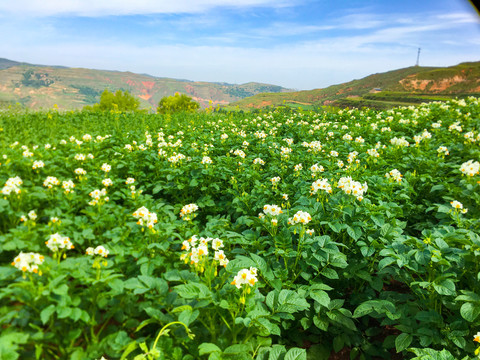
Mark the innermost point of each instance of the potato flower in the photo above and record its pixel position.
(400, 142)
(50, 182)
(315, 168)
(68, 186)
(31, 216)
(245, 277)
(272, 210)
(321, 184)
(145, 217)
(476, 337)
(38, 164)
(107, 182)
(105, 167)
(442, 151)
(394, 175)
(470, 168)
(258, 161)
(28, 262)
(240, 153)
(188, 212)
(99, 250)
(301, 217)
(57, 241)
(98, 197)
(458, 206)
(352, 187)
(80, 172)
(27, 153)
(206, 160)
(275, 180)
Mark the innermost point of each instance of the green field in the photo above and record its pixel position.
(284, 234)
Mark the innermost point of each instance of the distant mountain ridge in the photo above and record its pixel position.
(406, 86)
(40, 86)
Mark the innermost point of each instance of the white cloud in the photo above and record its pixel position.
(301, 66)
(95, 8)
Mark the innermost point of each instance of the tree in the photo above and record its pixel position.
(177, 103)
(120, 101)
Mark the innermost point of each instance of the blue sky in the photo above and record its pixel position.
(300, 44)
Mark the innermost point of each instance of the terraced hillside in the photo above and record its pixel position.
(36, 86)
(408, 86)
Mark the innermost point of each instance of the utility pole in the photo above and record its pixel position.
(418, 57)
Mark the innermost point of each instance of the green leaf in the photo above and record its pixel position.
(260, 262)
(64, 312)
(445, 287)
(403, 341)
(116, 285)
(355, 233)
(237, 352)
(296, 354)
(385, 262)
(193, 291)
(276, 352)
(61, 290)
(329, 273)
(338, 343)
(385, 229)
(470, 311)
(321, 297)
(321, 323)
(46, 313)
(207, 348)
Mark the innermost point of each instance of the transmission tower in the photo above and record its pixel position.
(418, 57)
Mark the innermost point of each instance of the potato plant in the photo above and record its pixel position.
(271, 235)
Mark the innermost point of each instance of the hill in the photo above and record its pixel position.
(38, 86)
(407, 86)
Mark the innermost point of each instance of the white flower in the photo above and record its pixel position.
(258, 161)
(245, 277)
(80, 172)
(470, 168)
(301, 217)
(352, 187)
(68, 186)
(321, 184)
(145, 217)
(217, 244)
(28, 262)
(401, 142)
(187, 212)
(457, 205)
(221, 258)
(107, 182)
(57, 241)
(100, 250)
(275, 180)
(272, 210)
(38, 164)
(395, 175)
(206, 160)
(51, 181)
(32, 215)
